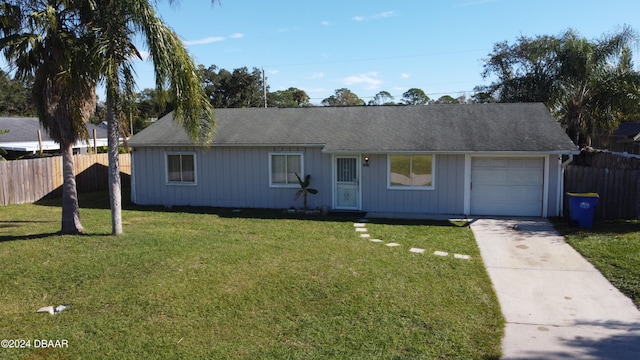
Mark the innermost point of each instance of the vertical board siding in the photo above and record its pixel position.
(27, 181)
(228, 177)
(239, 177)
(447, 197)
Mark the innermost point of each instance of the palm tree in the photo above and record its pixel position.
(44, 39)
(589, 86)
(116, 23)
(596, 85)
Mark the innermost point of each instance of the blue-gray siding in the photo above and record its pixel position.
(239, 177)
(447, 197)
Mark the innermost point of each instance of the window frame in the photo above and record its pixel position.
(390, 186)
(295, 184)
(181, 182)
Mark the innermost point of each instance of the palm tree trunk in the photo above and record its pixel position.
(70, 208)
(115, 193)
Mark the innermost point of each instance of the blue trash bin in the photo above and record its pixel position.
(581, 208)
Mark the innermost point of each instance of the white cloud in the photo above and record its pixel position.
(319, 75)
(405, 76)
(273, 72)
(382, 15)
(207, 40)
(325, 23)
(236, 36)
(367, 78)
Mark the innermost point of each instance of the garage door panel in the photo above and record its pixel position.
(507, 186)
(524, 176)
(490, 162)
(490, 177)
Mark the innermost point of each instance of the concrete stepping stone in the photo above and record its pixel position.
(441, 253)
(376, 240)
(417, 250)
(459, 256)
(361, 229)
(392, 244)
(365, 235)
(359, 225)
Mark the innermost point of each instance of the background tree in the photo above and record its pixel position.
(44, 40)
(15, 96)
(343, 97)
(415, 96)
(448, 99)
(525, 70)
(237, 89)
(589, 86)
(150, 105)
(290, 98)
(382, 98)
(299, 96)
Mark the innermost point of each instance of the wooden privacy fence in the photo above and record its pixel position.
(616, 179)
(27, 181)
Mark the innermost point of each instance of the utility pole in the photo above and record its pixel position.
(264, 87)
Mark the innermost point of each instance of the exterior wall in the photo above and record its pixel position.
(555, 185)
(239, 177)
(447, 197)
(227, 177)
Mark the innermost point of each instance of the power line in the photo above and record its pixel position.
(377, 59)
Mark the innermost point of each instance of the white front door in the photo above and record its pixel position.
(346, 180)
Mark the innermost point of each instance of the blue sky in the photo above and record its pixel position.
(370, 46)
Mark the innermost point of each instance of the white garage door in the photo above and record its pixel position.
(507, 186)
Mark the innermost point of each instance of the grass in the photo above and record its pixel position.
(613, 247)
(206, 283)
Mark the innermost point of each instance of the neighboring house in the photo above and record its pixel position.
(626, 138)
(482, 159)
(22, 138)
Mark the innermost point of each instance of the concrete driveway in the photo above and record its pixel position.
(556, 304)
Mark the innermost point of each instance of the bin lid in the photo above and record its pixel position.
(584, 194)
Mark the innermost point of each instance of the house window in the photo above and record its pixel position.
(412, 172)
(283, 169)
(181, 168)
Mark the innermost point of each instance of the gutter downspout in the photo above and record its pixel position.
(560, 206)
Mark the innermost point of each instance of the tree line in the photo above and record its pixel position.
(590, 86)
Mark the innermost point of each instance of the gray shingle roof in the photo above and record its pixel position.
(432, 128)
(628, 130)
(26, 129)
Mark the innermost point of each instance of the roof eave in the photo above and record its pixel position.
(226, 145)
(455, 152)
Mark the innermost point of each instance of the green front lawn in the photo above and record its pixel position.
(614, 248)
(199, 283)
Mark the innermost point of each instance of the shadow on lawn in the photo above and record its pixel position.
(100, 200)
(6, 238)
